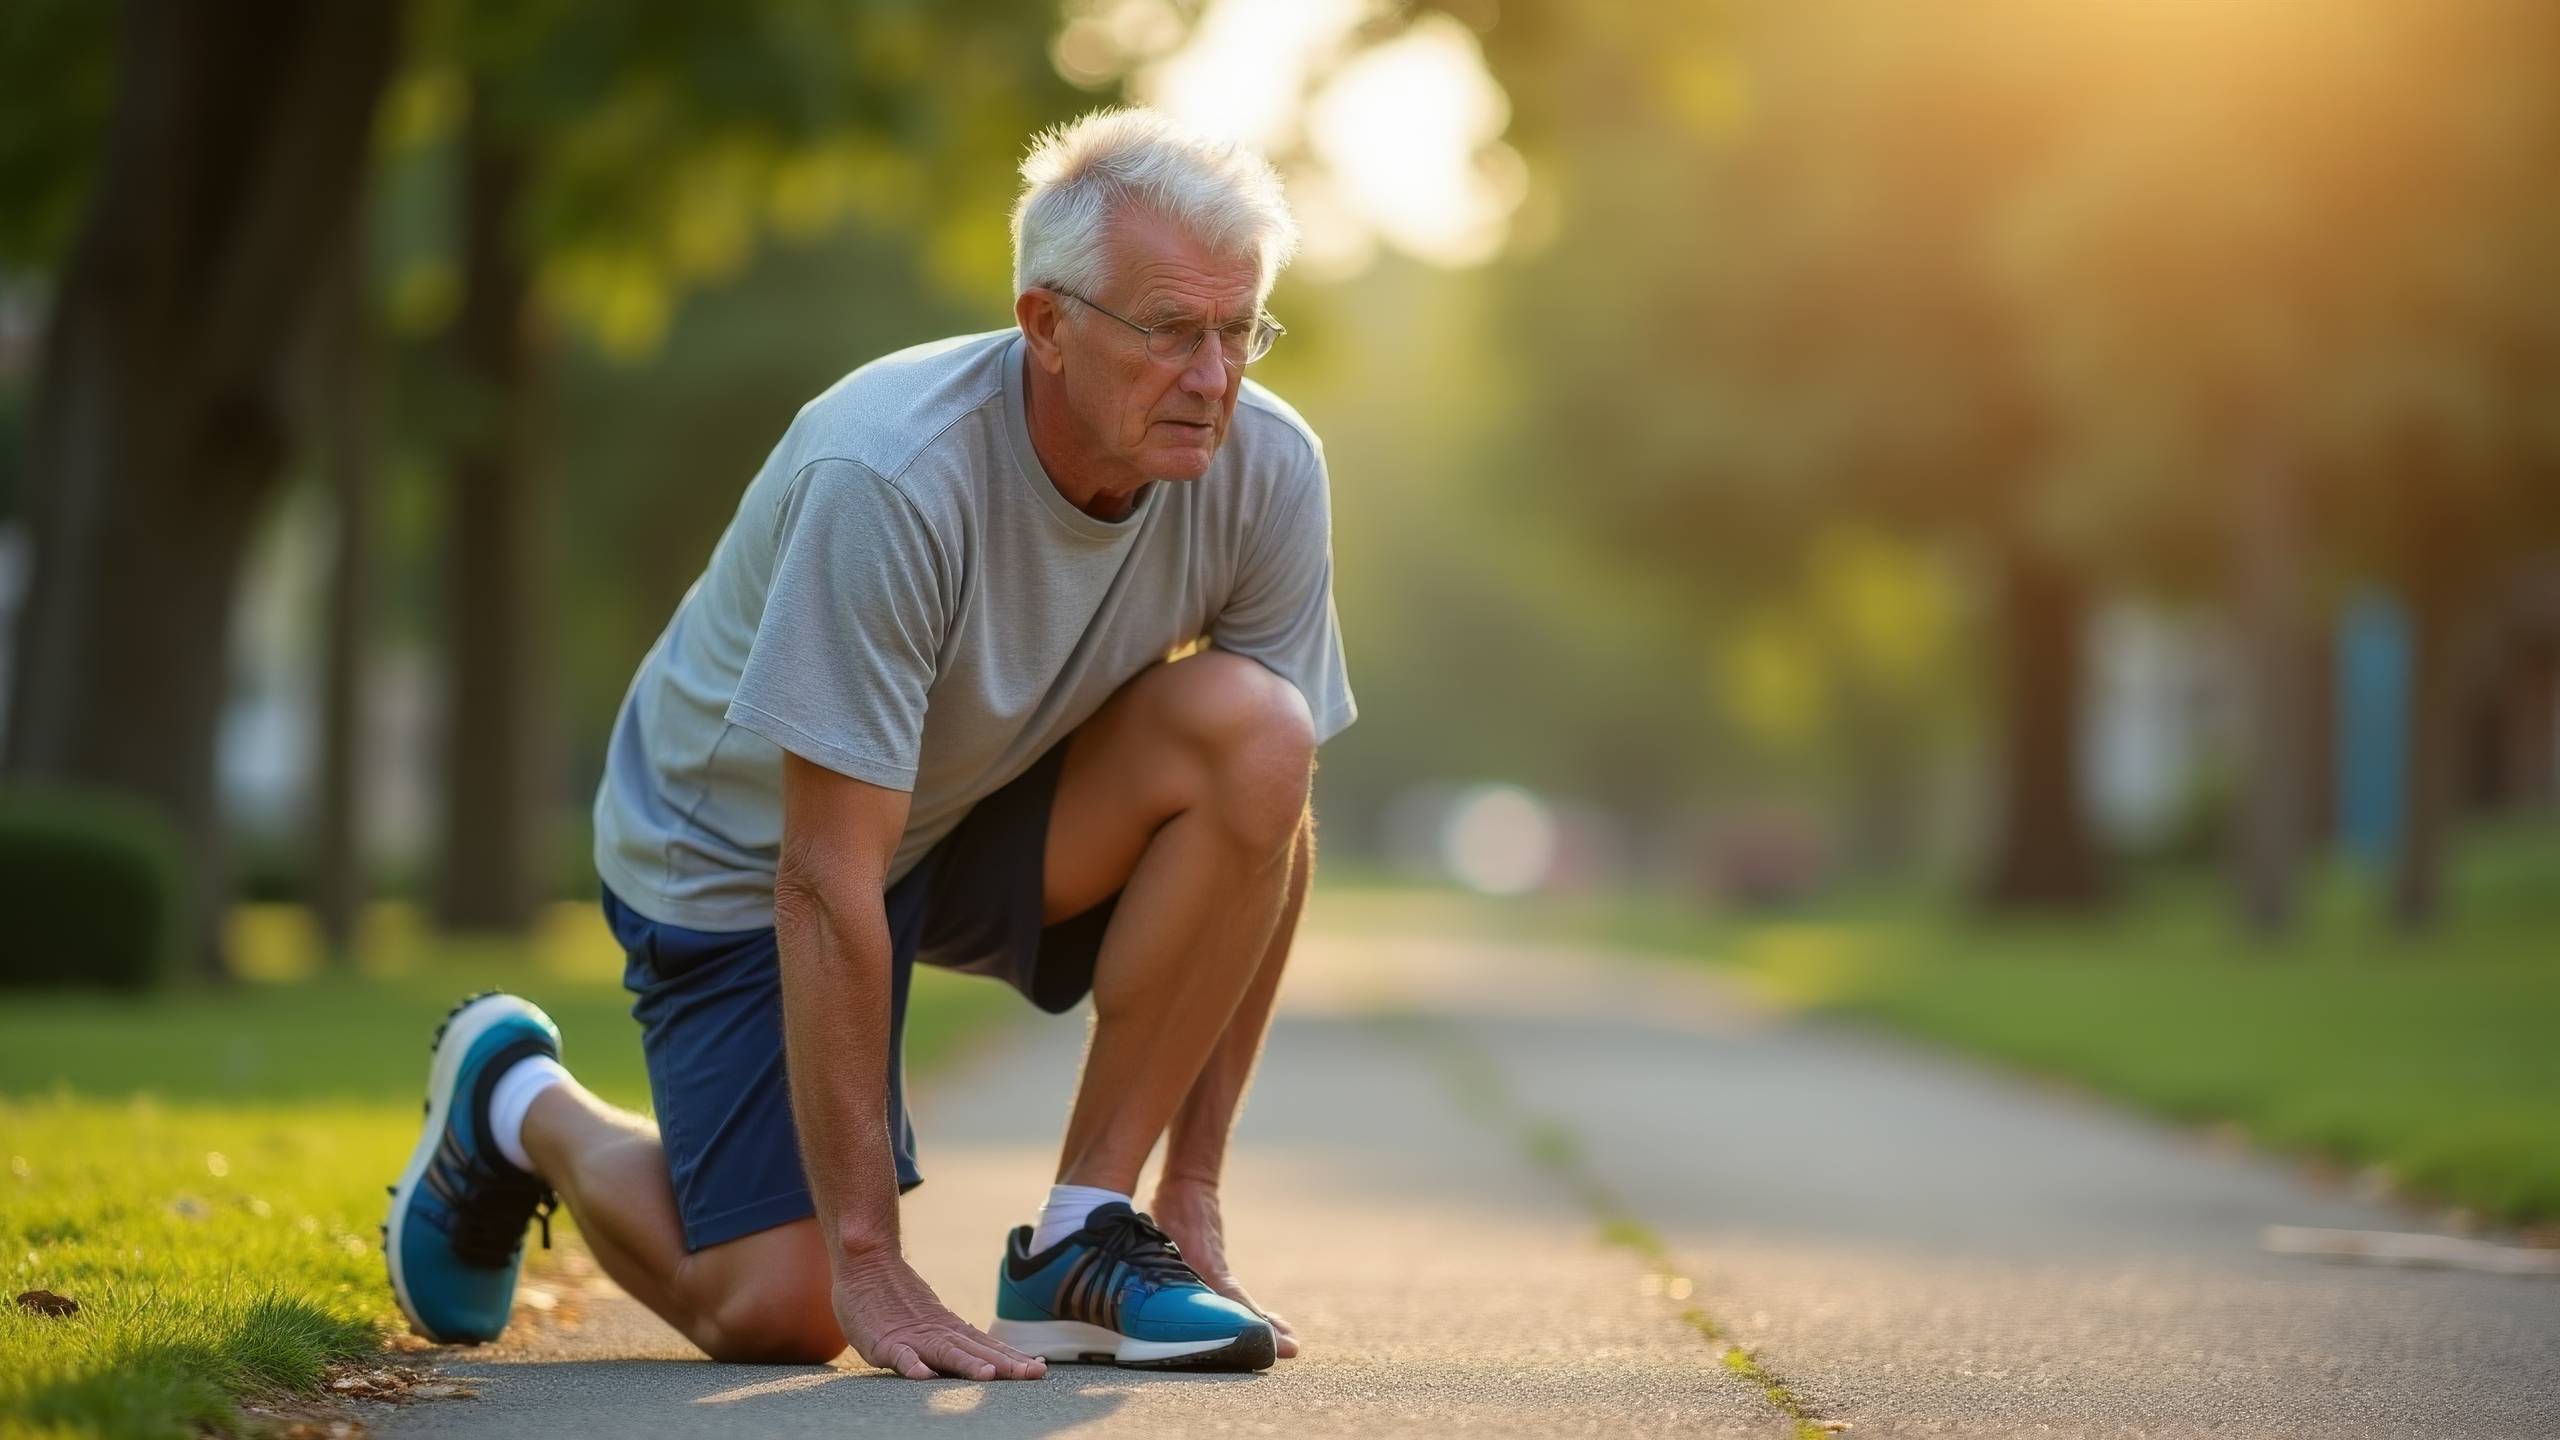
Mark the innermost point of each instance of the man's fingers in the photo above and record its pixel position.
(1011, 1364)
(1014, 1361)
(952, 1357)
(1233, 1291)
(903, 1360)
(1283, 1336)
(973, 1343)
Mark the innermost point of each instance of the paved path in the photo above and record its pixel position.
(1905, 1243)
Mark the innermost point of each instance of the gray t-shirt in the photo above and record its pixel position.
(905, 597)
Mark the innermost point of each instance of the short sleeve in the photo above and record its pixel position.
(1281, 612)
(844, 652)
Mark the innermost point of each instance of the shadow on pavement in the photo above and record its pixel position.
(630, 1398)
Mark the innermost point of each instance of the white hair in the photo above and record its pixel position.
(1081, 175)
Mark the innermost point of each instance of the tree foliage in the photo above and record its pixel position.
(2064, 285)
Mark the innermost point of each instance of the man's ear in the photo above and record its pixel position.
(1040, 316)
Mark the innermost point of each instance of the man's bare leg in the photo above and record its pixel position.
(750, 1300)
(1228, 748)
(1187, 1192)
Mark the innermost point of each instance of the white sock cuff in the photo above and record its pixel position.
(1068, 1207)
(516, 1091)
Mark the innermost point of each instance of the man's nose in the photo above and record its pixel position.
(1206, 374)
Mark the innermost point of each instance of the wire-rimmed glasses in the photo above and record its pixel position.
(1242, 341)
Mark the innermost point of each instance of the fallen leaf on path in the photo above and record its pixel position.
(394, 1384)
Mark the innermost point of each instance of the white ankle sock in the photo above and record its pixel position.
(514, 1095)
(1066, 1210)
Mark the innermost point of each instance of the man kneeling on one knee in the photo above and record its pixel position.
(919, 707)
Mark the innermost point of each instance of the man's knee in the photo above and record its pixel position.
(1254, 739)
(768, 1305)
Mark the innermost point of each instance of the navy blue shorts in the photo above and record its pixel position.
(709, 1005)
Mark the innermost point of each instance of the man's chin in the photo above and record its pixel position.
(1181, 464)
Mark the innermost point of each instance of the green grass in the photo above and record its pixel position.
(203, 1171)
(2435, 1058)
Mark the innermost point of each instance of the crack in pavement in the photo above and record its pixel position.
(1481, 1090)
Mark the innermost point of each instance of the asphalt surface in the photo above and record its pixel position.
(1907, 1244)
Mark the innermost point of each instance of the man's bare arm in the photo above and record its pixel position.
(831, 925)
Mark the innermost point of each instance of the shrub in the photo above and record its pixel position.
(92, 892)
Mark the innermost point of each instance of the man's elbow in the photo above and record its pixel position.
(801, 902)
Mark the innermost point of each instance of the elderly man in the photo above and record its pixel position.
(923, 705)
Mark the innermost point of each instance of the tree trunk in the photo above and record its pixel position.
(345, 426)
(2445, 593)
(495, 779)
(2045, 856)
(2276, 662)
(233, 161)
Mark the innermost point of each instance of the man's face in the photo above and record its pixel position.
(1165, 419)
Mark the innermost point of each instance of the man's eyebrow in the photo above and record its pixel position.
(1167, 312)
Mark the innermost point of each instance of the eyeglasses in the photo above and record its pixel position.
(1242, 341)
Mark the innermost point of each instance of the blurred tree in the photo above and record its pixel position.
(1848, 669)
(2303, 298)
(58, 68)
(1486, 641)
(604, 157)
(233, 158)
(343, 430)
(1772, 301)
(2213, 297)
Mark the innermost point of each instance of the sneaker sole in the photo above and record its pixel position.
(1073, 1342)
(454, 1038)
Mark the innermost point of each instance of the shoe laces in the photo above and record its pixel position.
(1138, 1242)
(490, 1230)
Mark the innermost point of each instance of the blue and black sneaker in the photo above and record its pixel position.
(456, 1232)
(1119, 1292)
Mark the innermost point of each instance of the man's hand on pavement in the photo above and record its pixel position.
(891, 1318)
(1188, 1211)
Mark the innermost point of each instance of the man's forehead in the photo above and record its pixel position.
(1173, 273)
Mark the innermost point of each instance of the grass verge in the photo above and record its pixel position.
(203, 1172)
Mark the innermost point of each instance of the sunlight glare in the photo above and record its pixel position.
(1411, 133)
(1246, 70)
(1399, 143)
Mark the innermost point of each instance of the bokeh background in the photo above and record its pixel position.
(2032, 523)
(1933, 501)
